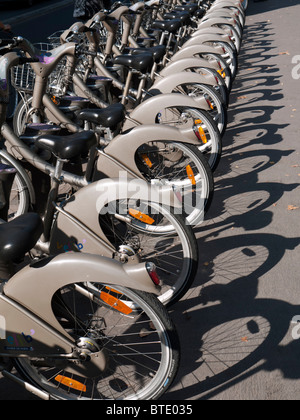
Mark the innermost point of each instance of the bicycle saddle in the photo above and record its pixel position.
(182, 16)
(67, 147)
(192, 8)
(170, 26)
(141, 62)
(19, 236)
(109, 117)
(157, 52)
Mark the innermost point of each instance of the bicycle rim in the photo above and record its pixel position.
(140, 345)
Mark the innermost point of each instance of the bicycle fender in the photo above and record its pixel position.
(194, 50)
(133, 139)
(77, 226)
(27, 300)
(216, 21)
(172, 81)
(200, 39)
(189, 63)
(147, 112)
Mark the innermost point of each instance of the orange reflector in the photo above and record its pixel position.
(113, 290)
(147, 161)
(202, 135)
(190, 174)
(55, 100)
(71, 383)
(209, 104)
(222, 73)
(115, 303)
(141, 217)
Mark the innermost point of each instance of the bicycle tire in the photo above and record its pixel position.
(201, 122)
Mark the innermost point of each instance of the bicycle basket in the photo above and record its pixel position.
(23, 77)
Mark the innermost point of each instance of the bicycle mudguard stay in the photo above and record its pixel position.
(29, 326)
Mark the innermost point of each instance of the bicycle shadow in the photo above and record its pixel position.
(228, 332)
(232, 333)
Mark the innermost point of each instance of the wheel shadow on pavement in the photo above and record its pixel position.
(228, 333)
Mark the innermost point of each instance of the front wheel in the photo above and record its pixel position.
(149, 232)
(131, 328)
(183, 167)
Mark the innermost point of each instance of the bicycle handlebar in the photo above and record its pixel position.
(25, 60)
(7, 42)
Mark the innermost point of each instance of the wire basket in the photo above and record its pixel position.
(54, 39)
(23, 77)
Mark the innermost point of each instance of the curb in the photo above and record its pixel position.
(44, 10)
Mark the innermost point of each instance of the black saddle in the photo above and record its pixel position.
(19, 236)
(142, 62)
(184, 17)
(170, 26)
(192, 8)
(157, 52)
(108, 117)
(67, 147)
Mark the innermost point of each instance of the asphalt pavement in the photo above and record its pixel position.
(236, 324)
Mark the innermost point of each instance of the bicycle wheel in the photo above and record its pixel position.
(183, 167)
(138, 340)
(148, 232)
(204, 127)
(19, 200)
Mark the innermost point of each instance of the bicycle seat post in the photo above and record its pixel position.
(127, 87)
(52, 198)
